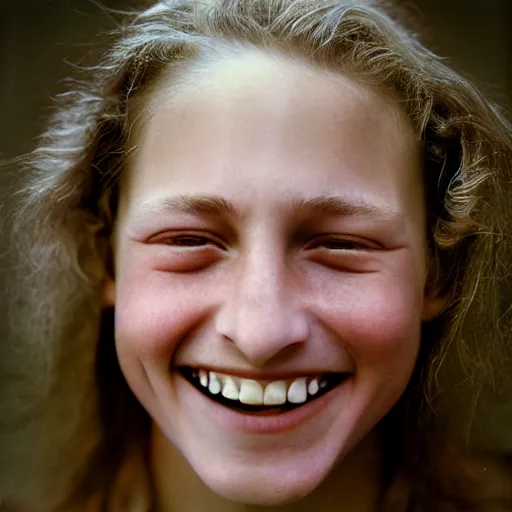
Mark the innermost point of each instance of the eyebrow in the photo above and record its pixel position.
(338, 206)
(188, 204)
(215, 205)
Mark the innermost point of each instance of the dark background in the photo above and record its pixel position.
(41, 41)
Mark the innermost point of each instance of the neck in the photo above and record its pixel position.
(353, 485)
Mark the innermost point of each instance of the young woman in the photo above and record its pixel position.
(265, 245)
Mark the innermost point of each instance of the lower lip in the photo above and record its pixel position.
(258, 424)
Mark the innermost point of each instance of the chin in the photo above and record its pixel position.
(263, 491)
(271, 484)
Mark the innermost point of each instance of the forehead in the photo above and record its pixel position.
(244, 74)
(258, 114)
(273, 83)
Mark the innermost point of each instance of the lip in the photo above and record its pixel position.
(247, 423)
(265, 377)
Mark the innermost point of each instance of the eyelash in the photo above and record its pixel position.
(202, 241)
(329, 242)
(178, 240)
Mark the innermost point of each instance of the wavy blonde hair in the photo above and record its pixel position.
(70, 421)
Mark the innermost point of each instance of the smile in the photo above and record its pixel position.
(250, 395)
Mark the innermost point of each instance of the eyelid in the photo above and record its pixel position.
(177, 235)
(359, 243)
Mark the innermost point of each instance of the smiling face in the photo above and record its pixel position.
(271, 228)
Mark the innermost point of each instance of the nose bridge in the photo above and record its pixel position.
(262, 285)
(262, 316)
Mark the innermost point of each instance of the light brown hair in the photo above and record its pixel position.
(78, 421)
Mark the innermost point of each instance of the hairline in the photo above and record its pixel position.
(203, 55)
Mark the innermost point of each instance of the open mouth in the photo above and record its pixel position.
(246, 395)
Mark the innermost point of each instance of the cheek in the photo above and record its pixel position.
(154, 314)
(383, 321)
(385, 343)
(378, 319)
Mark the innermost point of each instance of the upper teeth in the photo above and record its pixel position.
(254, 392)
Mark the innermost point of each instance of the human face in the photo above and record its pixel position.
(270, 227)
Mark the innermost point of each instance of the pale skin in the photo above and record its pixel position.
(271, 224)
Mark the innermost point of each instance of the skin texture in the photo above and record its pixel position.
(269, 279)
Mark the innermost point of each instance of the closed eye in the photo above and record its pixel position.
(187, 241)
(342, 244)
(185, 251)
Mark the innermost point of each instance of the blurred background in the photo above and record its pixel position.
(41, 41)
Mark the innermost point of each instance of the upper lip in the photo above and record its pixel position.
(271, 376)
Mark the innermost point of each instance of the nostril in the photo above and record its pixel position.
(263, 332)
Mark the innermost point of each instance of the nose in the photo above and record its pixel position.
(261, 314)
